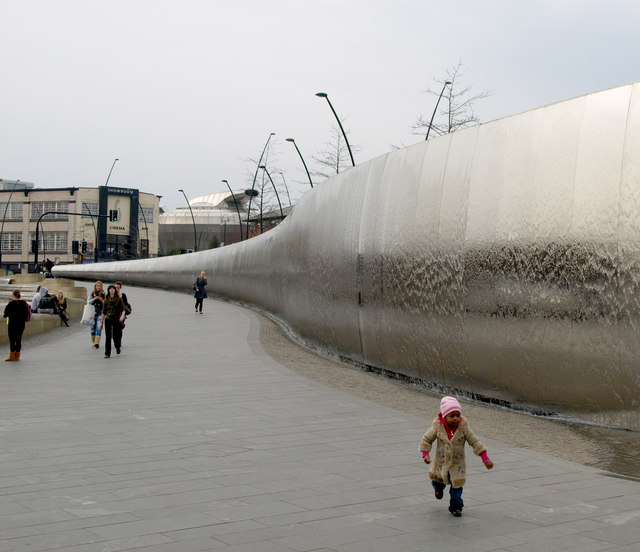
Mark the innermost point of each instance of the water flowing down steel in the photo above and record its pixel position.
(502, 260)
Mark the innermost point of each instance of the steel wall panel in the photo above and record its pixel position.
(502, 261)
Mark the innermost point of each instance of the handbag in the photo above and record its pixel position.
(88, 314)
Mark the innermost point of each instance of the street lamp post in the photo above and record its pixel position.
(324, 95)
(237, 209)
(301, 158)
(96, 245)
(112, 165)
(436, 108)
(4, 216)
(195, 235)
(274, 189)
(255, 176)
(286, 188)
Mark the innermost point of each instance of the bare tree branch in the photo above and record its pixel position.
(457, 107)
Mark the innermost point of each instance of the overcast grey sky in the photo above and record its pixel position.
(183, 92)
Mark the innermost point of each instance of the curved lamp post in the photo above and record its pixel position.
(237, 209)
(111, 170)
(255, 176)
(301, 158)
(286, 188)
(96, 245)
(195, 235)
(324, 95)
(274, 189)
(436, 108)
(4, 216)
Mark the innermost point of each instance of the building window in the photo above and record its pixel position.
(12, 242)
(89, 209)
(13, 211)
(51, 242)
(147, 216)
(39, 207)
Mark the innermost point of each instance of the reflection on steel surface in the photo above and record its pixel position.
(502, 260)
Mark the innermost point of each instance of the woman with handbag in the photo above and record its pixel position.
(96, 299)
(198, 290)
(113, 312)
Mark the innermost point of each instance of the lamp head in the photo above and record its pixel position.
(321, 94)
(447, 82)
(181, 191)
(289, 140)
(225, 182)
(262, 167)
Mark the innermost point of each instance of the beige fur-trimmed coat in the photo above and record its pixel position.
(449, 456)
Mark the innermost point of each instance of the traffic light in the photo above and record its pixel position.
(113, 215)
(75, 247)
(84, 247)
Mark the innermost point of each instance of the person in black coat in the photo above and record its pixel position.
(198, 290)
(17, 311)
(113, 316)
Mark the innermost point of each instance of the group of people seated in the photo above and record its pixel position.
(45, 303)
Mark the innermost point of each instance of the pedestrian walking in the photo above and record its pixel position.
(452, 431)
(18, 313)
(198, 290)
(96, 299)
(123, 296)
(113, 315)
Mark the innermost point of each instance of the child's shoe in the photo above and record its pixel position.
(456, 512)
(439, 495)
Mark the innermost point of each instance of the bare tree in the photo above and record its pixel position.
(335, 156)
(267, 199)
(456, 106)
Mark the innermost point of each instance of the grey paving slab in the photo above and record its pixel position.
(195, 439)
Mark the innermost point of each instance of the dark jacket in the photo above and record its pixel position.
(17, 311)
(113, 308)
(127, 306)
(98, 305)
(200, 292)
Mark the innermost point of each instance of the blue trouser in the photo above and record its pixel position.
(455, 495)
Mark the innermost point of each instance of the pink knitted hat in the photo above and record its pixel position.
(449, 405)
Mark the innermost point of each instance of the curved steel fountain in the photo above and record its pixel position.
(502, 261)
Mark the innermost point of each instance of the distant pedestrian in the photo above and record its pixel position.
(198, 290)
(18, 313)
(48, 265)
(452, 431)
(97, 300)
(113, 313)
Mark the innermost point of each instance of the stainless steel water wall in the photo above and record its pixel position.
(502, 260)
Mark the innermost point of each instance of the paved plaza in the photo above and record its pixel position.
(195, 439)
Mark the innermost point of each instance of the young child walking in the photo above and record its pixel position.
(452, 431)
